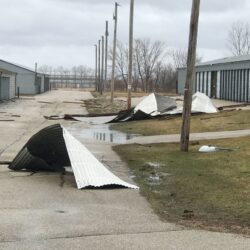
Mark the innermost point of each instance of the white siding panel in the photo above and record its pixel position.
(209, 84)
(87, 169)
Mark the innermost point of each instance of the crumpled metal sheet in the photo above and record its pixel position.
(202, 103)
(45, 150)
(87, 169)
(150, 107)
(154, 104)
(54, 148)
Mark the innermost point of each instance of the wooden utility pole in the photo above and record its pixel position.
(106, 52)
(99, 64)
(102, 70)
(96, 88)
(190, 75)
(130, 59)
(115, 17)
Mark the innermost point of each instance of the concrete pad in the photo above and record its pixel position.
(193, 137)
(46, 211)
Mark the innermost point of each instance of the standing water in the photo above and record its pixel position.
(100, 131)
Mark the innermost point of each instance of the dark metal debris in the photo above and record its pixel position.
(46, 150)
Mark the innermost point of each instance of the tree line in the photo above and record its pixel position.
(154, 65)
(80, 70)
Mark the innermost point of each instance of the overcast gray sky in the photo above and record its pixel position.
(63, 32)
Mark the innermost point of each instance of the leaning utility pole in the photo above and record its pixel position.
(96, 88)
(106, 51)
(130, 53)
(102, 70)
(190, 75)
(99, 64)
(115, 17)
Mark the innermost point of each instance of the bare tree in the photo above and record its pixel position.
(46, 69)
(179, 57)
(239, 39)
(147, 54)
(121, 69)
(165, 77)
(122, 61)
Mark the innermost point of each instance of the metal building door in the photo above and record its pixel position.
(213, 84)
(5, 88)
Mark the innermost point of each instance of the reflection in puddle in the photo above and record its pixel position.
(102, 132)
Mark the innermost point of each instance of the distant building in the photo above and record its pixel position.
(28, 81)
(7, 85)
(227, 79)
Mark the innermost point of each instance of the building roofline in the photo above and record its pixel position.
(225, 60)
(23, 67)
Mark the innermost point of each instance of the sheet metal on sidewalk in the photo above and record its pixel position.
(54, 148)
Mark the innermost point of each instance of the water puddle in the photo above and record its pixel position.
(102, 132)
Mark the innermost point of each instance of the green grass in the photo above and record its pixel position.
(215, 186)
(223, 121)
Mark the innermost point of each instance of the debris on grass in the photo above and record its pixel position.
(210, 149)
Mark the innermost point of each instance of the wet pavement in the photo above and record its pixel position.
(99, 131)
(46, 211)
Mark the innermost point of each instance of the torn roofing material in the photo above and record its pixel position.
(200, 104)
(87, 169)
(156, 104)
(46, 150)
(54, 148)
(151, 106)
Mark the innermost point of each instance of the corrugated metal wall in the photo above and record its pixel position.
(234, 85)
(231, 85)
(227, 84)
(203, 83)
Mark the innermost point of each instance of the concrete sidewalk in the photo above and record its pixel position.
(193, 137)
(46, 211)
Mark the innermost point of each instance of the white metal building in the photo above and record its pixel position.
(227, 78)
(28, 80)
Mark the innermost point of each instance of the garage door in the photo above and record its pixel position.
(46, 84)
(5, 88)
